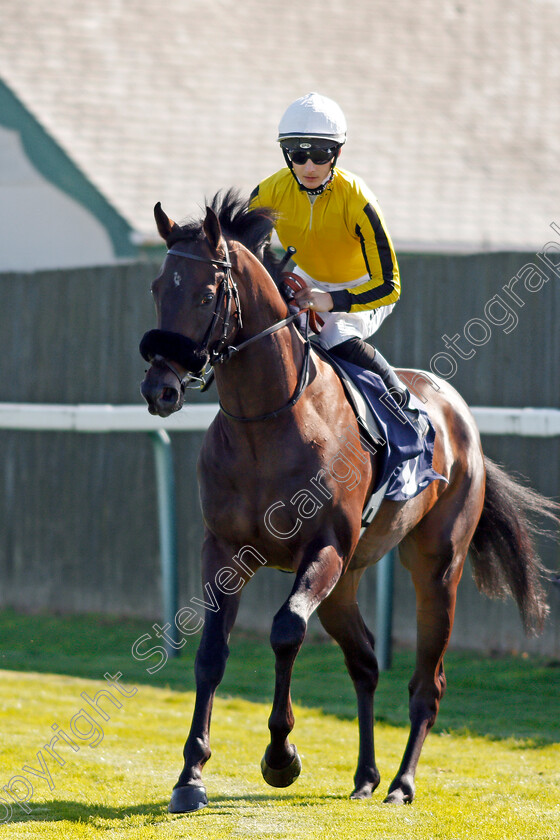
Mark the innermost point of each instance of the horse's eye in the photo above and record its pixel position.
(207, 298)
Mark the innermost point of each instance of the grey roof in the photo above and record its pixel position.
(453, 107)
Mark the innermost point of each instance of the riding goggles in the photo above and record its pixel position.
(317, 156)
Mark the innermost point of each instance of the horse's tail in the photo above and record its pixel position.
(503, 551)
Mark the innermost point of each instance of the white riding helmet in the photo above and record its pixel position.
(314, 116)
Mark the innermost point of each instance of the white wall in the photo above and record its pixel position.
(41, 227)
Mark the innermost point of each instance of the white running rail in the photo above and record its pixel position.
(529, 422)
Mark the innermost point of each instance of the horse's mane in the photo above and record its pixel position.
(250, 227)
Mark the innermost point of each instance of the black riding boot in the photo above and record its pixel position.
(359, 353)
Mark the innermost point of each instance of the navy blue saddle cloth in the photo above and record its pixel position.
(405, 458)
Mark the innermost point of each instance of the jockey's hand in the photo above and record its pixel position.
(313, 299)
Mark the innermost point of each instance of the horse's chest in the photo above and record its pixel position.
(254, 501)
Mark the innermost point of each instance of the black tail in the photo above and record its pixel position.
(503, 550)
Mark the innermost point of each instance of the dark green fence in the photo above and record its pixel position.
(78, 512)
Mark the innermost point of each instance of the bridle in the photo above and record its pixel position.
(228, 292)
(222, 351)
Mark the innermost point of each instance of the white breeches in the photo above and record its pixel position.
(340, 326)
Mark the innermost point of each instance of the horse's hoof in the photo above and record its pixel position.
(401, 794)
(186, 799)
(365, 783)
(362, 793)
(284, 777)
(398, 797)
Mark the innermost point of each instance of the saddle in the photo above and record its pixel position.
(406, 459)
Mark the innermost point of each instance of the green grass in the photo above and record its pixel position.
(490, 771)
(500, 698)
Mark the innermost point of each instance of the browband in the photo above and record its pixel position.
(174, 253)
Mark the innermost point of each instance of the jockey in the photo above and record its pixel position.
(344, 254)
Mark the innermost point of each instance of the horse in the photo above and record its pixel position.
(270, 494)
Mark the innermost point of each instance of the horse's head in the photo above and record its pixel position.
(196, 305)
(196, 298)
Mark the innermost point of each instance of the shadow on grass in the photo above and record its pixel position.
(509, 697)
(59, 810)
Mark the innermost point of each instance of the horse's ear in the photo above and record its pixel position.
(164, 224)
(212, 229)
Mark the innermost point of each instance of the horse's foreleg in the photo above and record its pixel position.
(281, 764)
(189, 793)
(435, 609)
(341, 618)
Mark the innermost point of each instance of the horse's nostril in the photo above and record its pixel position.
(169, 395)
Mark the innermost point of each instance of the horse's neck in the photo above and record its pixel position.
(261, 302)
(265, 374)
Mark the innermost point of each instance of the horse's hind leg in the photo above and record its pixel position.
(341, 618)
(435, 581)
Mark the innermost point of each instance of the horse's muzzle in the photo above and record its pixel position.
(162, 391)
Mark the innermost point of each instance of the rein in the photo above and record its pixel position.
(228, 290)
(303, 380)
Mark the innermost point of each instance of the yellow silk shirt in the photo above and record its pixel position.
(339, 237)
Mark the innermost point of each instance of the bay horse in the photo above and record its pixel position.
(271, 495)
